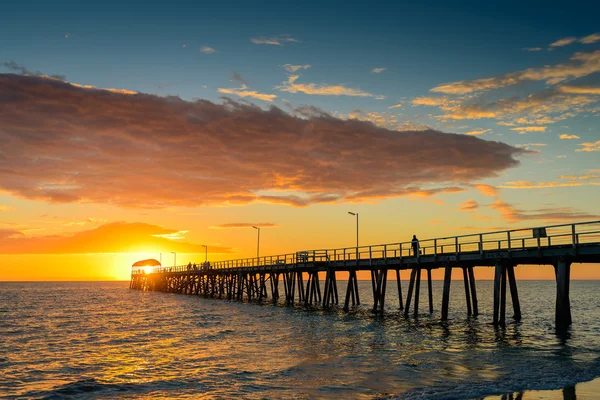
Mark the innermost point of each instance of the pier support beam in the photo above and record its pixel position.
(413, 285)
(502, 270)
(563, 303)
(352, 291)
(399, 283)
(330, 294)
(474, 291)
(446, 293)
(379, 281)
(514, 294)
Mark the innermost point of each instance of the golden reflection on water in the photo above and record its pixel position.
(71, 338)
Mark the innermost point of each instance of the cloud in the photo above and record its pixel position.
(278, 40)
(395, 106)
(589, 146)
(117, 237)
(533, 49)
(593, 38)
(564, 42)
(244, 92)
(487, 190)
(512, 214)
(294, 68)
(378, 70)
(5, 208)
(537, 185)
(320, 89)
(235, 225)
(477, 132)
(64, 144)
(531, 146)
(207, 50)
(20, 69)
(524, 129)
(469, 205)
(238, 78)
(579, 89)
(581, 64)
(564, 136)
(172, 236)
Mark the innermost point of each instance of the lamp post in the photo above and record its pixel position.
(205, 253)
(174, 259)
(356, 214)
(258, 242)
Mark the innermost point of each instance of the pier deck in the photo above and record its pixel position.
(557, 245)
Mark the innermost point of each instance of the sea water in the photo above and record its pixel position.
(103, 340)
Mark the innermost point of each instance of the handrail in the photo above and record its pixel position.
(452, 245)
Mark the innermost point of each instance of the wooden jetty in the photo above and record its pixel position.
(258, 278)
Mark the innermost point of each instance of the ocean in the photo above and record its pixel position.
(102, 340)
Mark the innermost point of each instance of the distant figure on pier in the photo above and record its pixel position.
(194, 266)
(415, 245)
(189, 266)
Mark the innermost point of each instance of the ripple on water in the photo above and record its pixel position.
(98, 340)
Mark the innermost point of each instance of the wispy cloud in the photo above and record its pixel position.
(5, 208)
(579, 89)
(235, 225)
(292, 86)
(487, 190)
(533, 49)
(395, 106)
(564, 42)
(526, 129)
(295, 68)
(278, 40)
(531, 146)
(207, 50)
(20, 69)
(469, 205)
(243, 90)
(111, 148)
(565, 136)
(477, 132)
(589, 39)
(589, 146)
(511, 213)
(378, 70)
(117, 237)
(581, 64)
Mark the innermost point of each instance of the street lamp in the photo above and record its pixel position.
(174, 258)
(205, 253)
(258, 242)
(356, 214)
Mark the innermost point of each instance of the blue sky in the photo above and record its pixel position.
(524, 74)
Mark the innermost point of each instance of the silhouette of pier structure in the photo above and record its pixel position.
(258, 278)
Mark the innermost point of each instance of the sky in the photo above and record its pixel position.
(169, 130)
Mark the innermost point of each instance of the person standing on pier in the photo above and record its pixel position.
(415, 246)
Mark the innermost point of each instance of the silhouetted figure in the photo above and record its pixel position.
(415, 245)
(189, 266)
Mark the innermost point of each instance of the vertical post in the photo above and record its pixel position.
(399, 283)
(514, 295)
(446, 293)
(563, 304)
(411, 286)
(503, 299)
(429, 291)
(417, 289)
(473, 291)
(467, 291)
(497, 279)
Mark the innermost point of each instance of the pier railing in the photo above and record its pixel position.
(566, 235)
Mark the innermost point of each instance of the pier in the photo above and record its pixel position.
(258, 278)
